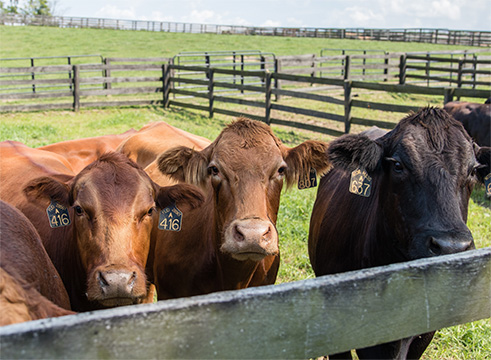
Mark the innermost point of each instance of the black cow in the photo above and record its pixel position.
(476, 119)
(398, 197)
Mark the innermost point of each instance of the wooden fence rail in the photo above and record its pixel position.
(423, 35)
(150, 83)
(302, 319)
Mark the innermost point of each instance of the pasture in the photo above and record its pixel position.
(41, 128)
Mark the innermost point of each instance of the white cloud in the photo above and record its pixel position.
(271, 23)
(111, 11)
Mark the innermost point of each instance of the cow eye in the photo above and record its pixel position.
(213, 170)
(150, 211)
(78, 210)
(281, 171)
(396, 165)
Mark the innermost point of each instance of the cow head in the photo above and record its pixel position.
(243, 172)
(423, 173)
(112, 206)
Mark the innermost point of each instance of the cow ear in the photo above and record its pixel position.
(184, 164)
(47, 188)
(353, 151)
(310, 154)
(483, 156)
(184, 193)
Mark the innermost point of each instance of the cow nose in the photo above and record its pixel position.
(117, 283)
(445, 245)
(256, 232)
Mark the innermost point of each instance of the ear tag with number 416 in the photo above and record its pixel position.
(57, 215)
(170, 219)
(487, 184)
(360, 183)
(308, 181)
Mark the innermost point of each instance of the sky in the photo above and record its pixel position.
(382, 14)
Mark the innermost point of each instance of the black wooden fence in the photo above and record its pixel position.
(129, 82)
(422, 35)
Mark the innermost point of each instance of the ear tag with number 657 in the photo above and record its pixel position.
(57, 215)
(487, 184)
(309, 180)
(170, 219)
(360, 183)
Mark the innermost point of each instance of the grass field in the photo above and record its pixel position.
(470, 341)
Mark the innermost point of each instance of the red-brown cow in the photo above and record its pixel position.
(231, 241)
(81, 152)
(155, 138)
(30, 286)
(396, 198)
(102, 251)
(476, 119)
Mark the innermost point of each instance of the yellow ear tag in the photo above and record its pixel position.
(361, 183)
(309, 180)
(170, 219)
(487, 184)
(58, 215)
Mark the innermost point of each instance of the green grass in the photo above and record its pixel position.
(27, 41)
(469, 341)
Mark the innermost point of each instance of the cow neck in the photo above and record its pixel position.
(62, 250)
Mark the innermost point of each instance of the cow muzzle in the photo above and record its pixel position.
(250, 239)
(436, 243)
(116, 287)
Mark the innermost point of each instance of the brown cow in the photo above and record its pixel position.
(395, 198)
(231, 241)
(81, 152)
(476, 119)
(154, 138)
(102, 252)
(30, 286)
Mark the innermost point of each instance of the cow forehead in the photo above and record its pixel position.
(113, 187)
(234, 147)
(451, 149)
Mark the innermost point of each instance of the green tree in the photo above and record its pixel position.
(37, 7)
(12, 8)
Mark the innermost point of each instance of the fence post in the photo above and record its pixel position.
(347, 106)
(267, 103)
(277, 83)
(448, 95)
(459, 74)
(386, 68)
(76, 88)
(347, 67)
(402, 69)
(166, 85)
(33, 76)
(211, 97)
(107, 74)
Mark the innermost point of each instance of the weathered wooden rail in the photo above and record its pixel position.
(422, 35)
(130, 82)
(302, 319)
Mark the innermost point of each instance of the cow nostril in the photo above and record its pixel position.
(442, 246)
(238, 235)
(102, 280)
(434, 246)
(132, 280)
